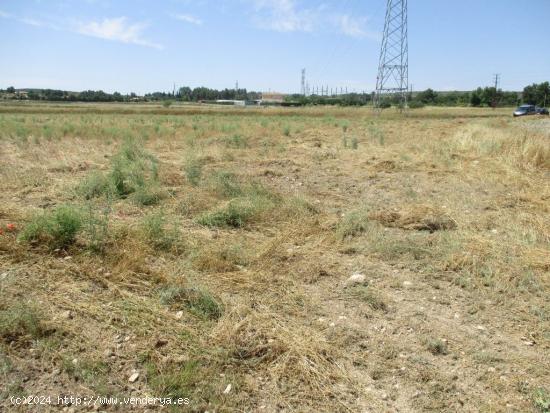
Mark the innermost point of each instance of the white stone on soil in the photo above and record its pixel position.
(133, 378)
(356, 279)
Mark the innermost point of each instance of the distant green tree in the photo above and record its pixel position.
(427, 97)
(475, 98)
(185, 93)
(11, 89)
(537, 94)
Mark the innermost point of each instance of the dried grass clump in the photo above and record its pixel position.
(417, 217)
(298, 358)
(538, 258)
(471, 256)
(370, 296)
(220, 257)
(530, 151)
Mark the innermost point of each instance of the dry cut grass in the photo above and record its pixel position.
(209, 251)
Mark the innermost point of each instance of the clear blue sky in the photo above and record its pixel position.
(146, 45)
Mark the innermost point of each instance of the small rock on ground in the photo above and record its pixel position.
(356, 279)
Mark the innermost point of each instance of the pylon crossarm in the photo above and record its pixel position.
(393, 68)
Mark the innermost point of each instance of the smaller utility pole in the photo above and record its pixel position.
(497, 79)
(495, 98)
(303, 91)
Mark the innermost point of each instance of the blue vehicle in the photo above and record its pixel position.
(526, 110)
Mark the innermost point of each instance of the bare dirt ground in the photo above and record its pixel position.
(275, 260)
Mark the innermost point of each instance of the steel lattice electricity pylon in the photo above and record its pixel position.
(393, 69)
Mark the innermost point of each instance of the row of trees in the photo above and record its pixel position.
(63, 95)
(350, 99)
(536, 94)
(488, 96)
(185, 94)
(480, 97)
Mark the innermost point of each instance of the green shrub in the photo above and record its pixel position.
(541, 400)
(133, 171)
(132, 168)
(197, 300)
(437, 347)
(171, 294)
(173, 383)
(57, 229)
(68, 129)
(345, 126)
(193, 170)
(353, 224)
(96, 227)
(94, 373)
(377, 134)
(201, 303)
(236, 214)
(21, 320)
(94, 185)
(253, 200)
(6, 366)
(415, 104)
(226, 184)
(148, 195)
(22, 132)
(47, 132)
(228, 128)
(154, 229)
(286, 130)
(259, 194)
(237, 142)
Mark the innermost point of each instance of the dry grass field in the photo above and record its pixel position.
(275, 260)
